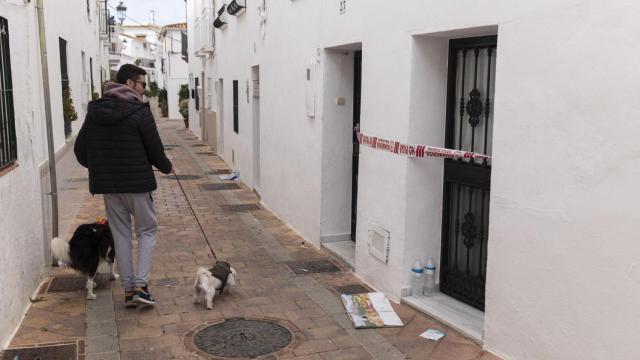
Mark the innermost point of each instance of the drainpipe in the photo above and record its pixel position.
(47, 112)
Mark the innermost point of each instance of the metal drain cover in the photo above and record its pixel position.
(210, 153)
(303, 267)
(83, 179)
(240, 207)
(198, 145)
(218, 172)
(57, 352)
(240, 338)
(182, 177)
(76, 283)
(220, 186)
(352, 289)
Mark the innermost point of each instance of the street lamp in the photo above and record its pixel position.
(122, 12)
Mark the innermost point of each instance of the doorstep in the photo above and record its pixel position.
(344, 250)
(466, 319)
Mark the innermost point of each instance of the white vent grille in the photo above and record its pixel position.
(379, 243)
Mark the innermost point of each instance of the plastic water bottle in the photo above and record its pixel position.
(417, 278)
(430, 277)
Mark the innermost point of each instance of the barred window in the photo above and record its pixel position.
(8, 146)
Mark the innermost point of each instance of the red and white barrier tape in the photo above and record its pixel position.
(418, 151)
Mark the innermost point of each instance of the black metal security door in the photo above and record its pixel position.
(469, 127)
(357, 85)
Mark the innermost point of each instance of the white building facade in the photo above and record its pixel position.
(77, 61)
(525, 243)
(139, 46)
(175, 69)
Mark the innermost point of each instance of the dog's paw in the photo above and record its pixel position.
(91, 296)
(209, 307)
(115, 276)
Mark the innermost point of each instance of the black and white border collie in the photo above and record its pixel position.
(90, 245)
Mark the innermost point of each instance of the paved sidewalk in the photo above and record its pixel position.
(257, 244)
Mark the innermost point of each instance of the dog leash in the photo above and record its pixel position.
(195, 216)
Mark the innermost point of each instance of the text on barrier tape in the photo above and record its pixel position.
(418, 151)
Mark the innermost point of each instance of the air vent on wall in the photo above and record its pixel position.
(379, 243)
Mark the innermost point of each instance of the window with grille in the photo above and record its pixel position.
(235, 106)
(8, 146)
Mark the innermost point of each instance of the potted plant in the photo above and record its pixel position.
(162, 102)
(68, 110)
(184, 92)
(153, 88)
(184, 111)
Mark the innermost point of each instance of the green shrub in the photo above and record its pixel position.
(162, 95)
(68, 110)
(184, 108)
(164, 109)
(184, 92)
(153, 89)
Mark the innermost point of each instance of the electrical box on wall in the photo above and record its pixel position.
(378, 243)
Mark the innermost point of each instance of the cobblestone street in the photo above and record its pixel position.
(257, 244)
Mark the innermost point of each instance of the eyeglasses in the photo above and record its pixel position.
(144, 84)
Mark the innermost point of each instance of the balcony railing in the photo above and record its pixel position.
(105, 22)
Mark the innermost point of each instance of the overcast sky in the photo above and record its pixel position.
(167, 11)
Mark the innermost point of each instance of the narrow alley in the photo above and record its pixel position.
(257, 244)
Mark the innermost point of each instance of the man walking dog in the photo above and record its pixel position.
(119, 143)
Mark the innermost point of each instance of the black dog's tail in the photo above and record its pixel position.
(60, 250)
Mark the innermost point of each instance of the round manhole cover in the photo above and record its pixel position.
(240, 338)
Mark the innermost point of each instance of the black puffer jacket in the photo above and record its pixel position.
(118, 143)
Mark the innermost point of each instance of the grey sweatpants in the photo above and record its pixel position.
(119, 208)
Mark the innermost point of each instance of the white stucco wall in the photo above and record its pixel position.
(194, 68)
(81, 35)
(562, 261)
(22, 261)
(564, 255)
(282, 105)
(176, 71)
(24, 231)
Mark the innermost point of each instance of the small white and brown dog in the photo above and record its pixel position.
(209, 281)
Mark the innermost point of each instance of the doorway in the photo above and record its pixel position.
(255, 110)
(357, 85)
